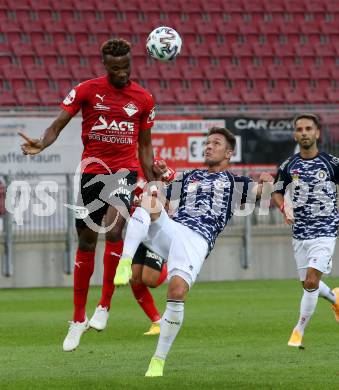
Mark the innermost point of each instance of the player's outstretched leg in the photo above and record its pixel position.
(83, 270)
(330, 295)
(111, 259)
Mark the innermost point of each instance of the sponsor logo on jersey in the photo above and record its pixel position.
(101, 107)
(151, 116)
(154, 256)
(69, 99)
(100, 97)
(102, 124)
(130, 109)
(321, 175)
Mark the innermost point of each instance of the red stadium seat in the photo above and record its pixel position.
(44, 49)
(262, 49)
(323, 50)
(273, 96)
(49, 97)
(165, 96)
(274, 5)
(320, 72)
(214, 73)
(269, 27)
(304, 50)
(229, 96)
(251, 96)
(58, 71)
(236, 72)
(38, 5)
(32, 26)
(333, 96)
(76, 26)
(54, 26)
(19, 5)
(298, 72)
(256, 72)
(35, 72)
(315, 6)
(7, 98)
(242, 49)
(186, 96)
(278, 72)
(89, 48)
(22, 49)
(208, 96)
(193, 72)
(10, 26)
(148, 72)
(283, 50)
(331, 27)
(64, 5)
(12, 72)
(315, 96)
(81, 72)
(294, 96)
(27, 97)
(65, 48)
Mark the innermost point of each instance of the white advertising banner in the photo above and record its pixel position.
(61, 157)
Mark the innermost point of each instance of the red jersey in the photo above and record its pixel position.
(112, 119)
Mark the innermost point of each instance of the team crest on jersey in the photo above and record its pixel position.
(321, 175)
(130, 109)
(295, 175)
(69, 99)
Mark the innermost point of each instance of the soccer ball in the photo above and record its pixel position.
(163, 43)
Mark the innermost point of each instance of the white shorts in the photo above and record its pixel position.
(316, 253)
(184, 249)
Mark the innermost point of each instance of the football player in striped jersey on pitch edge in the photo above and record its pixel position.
(306, 194)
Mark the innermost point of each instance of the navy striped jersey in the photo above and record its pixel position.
(312, 185)
(208, 200)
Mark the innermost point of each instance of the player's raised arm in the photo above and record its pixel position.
(34, 146)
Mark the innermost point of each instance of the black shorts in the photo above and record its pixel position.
(147, 257)
(105, 191)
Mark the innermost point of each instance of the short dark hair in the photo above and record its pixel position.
(116, 47)
(230, 138)
(313, 117)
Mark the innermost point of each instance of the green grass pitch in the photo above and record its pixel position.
(234, 336)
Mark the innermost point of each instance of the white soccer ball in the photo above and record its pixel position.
(163, 43)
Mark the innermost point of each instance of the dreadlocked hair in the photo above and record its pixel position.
(116, 47)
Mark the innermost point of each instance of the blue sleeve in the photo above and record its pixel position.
(334, 161)
(173, 191)
(281, 181)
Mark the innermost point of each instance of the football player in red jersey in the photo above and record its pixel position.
(118, 115)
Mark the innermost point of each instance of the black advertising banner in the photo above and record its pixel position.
(263, 141)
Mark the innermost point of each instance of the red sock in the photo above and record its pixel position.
(163, 275)
(145, 300)
(112, 255)
(83, 270)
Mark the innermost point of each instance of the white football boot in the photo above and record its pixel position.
(99, 318)
(75, 331)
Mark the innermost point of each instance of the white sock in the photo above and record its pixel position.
(307, 308)
(169, 327)
(136, 232)
(326, 292)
